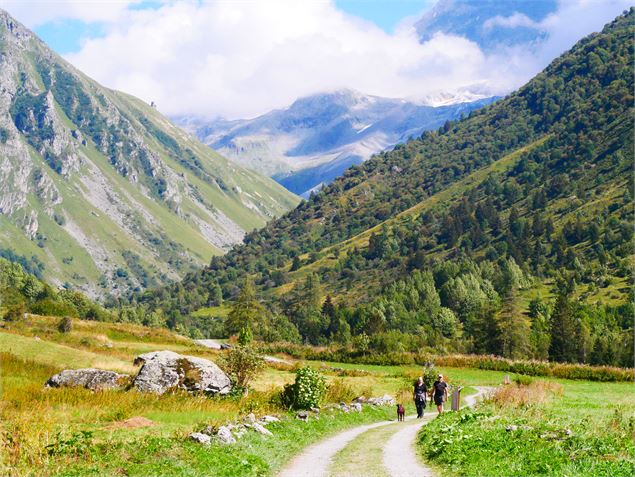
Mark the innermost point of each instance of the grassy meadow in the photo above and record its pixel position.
(555, 427)
(79, 432)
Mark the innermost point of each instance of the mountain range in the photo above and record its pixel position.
(461, 238)
(99, 191)
(318, 137)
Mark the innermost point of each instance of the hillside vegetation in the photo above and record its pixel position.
(101, 191)
(508, 232)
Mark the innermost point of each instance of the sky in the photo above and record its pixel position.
(242, 58)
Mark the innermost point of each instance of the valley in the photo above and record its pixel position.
(169, 306)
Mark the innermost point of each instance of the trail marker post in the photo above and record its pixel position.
(456, 399)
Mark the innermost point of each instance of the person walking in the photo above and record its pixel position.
(420, 393)
(440, 392)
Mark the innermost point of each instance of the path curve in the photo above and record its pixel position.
(400, 456)
(316, 459)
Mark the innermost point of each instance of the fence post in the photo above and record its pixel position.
(456, 399)
(507, 380)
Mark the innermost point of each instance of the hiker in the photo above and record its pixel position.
(440, 392)
(420, 394)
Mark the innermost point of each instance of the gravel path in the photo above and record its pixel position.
(399, 456)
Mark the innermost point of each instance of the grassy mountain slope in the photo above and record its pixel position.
(103, 190)
(558, 153)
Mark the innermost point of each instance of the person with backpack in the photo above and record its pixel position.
(420, 393)
(440, 392)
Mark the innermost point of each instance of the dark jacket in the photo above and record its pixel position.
(420, 393)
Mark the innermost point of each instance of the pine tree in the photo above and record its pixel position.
(246, 312)
(563, 330)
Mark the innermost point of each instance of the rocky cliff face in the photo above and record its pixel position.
(101, 188)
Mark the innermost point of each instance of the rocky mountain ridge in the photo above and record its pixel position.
(103, 190)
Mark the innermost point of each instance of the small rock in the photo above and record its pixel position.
(344, 407)
(360, 399)
(37, 338)
(225, 346)
(302, 415)
(511, 428)
(224, 435)
(568, 432)
(200, 438)
(357, 407)
(268, 419)
(260, 429)
(251, 418)
(316, 410)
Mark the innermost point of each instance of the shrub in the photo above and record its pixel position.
(242, 364)
(15, 312)
(65, 325)
(245, 337)
(307, 391)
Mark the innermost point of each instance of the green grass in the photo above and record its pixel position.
(599, 416)
(34, 417)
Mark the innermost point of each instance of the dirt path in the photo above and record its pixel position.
(399, 457)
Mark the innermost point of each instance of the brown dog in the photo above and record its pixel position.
(401, 412)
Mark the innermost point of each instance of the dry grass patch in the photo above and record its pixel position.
(525, 395)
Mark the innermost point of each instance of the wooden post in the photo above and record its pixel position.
(456, 399)
(507, 380)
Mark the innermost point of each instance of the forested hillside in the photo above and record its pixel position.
(507, 232)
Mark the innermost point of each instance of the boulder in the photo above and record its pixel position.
(164, 370)
(89, 378)
(224, 435)
(200, 438)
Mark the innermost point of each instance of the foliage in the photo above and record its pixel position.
(242, 364)
(307, 391)
(65, 325)
(535, 430)
(22, 292)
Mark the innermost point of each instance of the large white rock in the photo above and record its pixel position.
(164, 370)
(89, 378)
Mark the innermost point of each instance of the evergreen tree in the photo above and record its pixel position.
(563, 330)
(246, 311)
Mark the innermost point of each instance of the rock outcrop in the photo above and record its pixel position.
(89, 378)
(165, 370)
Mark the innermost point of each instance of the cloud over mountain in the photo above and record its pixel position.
(241, 59)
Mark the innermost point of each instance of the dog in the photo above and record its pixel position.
(401, 412)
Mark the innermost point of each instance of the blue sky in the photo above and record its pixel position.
(385, 14)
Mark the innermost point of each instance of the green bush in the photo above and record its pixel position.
(242, 364)
(307, 391)
(65, 325)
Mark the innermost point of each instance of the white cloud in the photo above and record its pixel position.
(37, 12)
(513, 21)
(243, 58)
